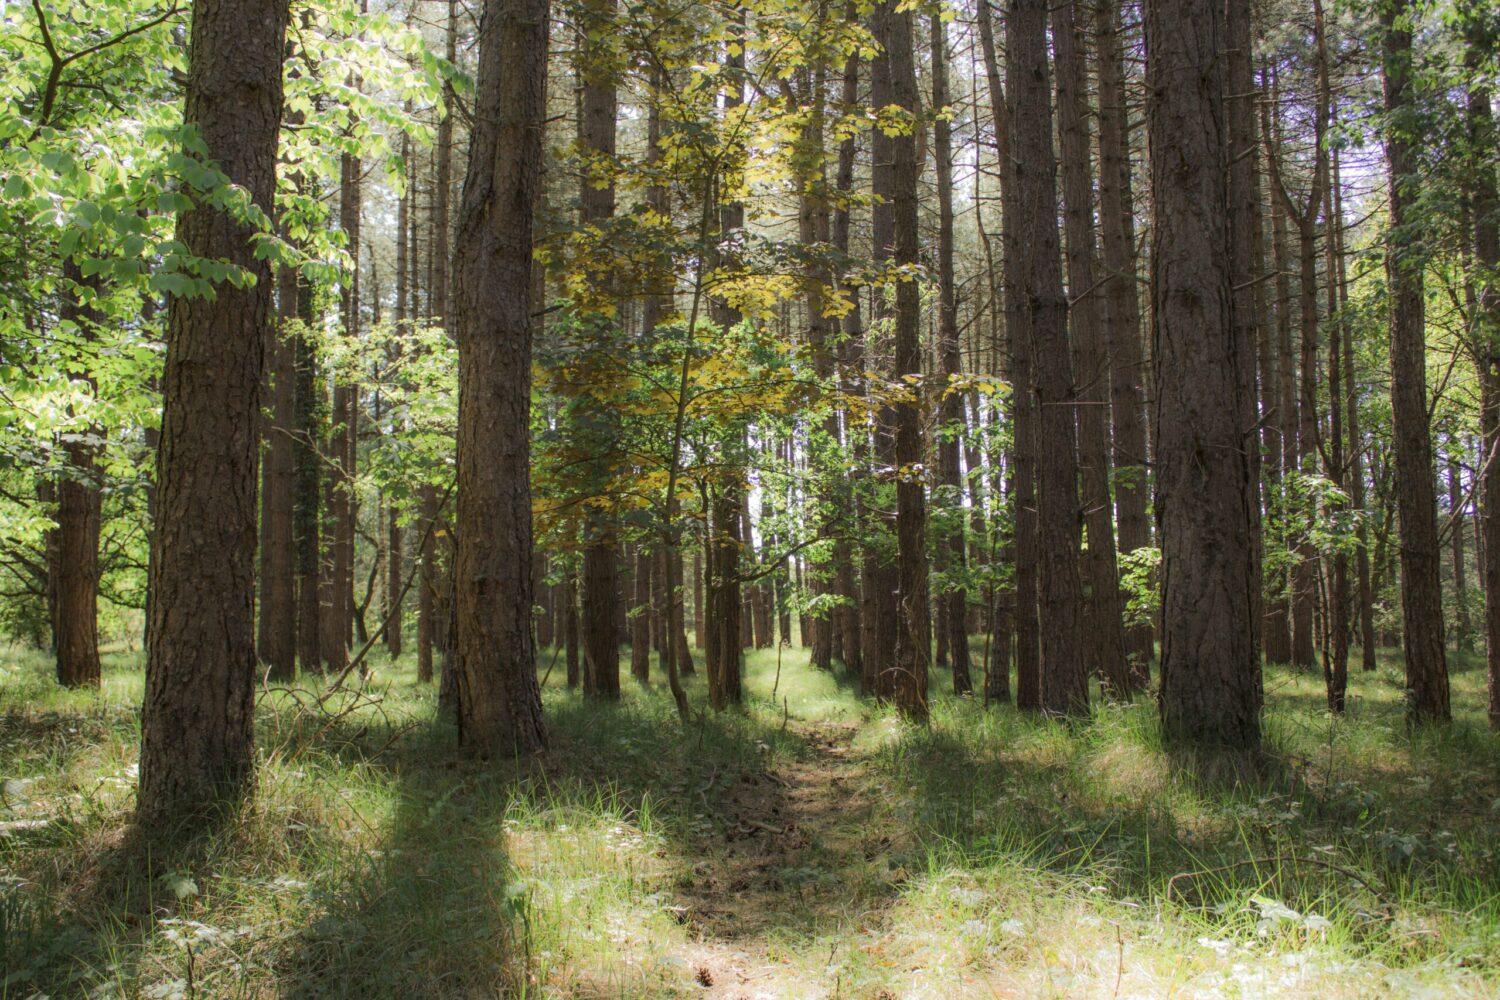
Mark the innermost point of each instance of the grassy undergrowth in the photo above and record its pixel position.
(992, 854)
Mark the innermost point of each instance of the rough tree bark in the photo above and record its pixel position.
(1416, 503)
(596, 133)
(1123, 310)
(1484, 208)
(80, 508)
(1044, 314)
(499, 705)
(1209, 692)
(197, 723)
(893, 29)
(1106, 626)
(954, 607)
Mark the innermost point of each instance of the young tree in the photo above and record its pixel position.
(1209, 688)
(197, 735)
(499, 705)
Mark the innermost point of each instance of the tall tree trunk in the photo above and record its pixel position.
(1209, 689)
(596, 133)
(1286, 409)
(1105, 619)
(1044, 315)
(1021, 469)
(1366, 604)
(80, 508)
(1421, 583)
(429, 607)
(499, 706)
(392, 526)
(308, 410)
(914, 624)
(1123, 308)
(954, 606)
(880, 580)
(197, 723)
(850, 365)
(277, 624)
(1484, 208)
(1243, 189)
(1336, 624)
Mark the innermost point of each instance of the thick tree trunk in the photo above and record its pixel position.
(1044, 309)
(197, 723)
(1421, 583)
(1209, 689)
(499, 706)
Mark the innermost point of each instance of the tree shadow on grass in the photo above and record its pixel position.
(435, 904)
(428, 907)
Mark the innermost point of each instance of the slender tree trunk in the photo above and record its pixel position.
(1336, 624)
(1122, 304)
(1044, 308)
(1244, 227)
(80, 509)
(1105, 619)
(1286, 409)
(880, 576)
(1456, 505)
(1021, 469)
(429, 605)
(601, 638)
(1209, 689)
(640, 624)
(913, 624)
(277, 621)
(570, 627)
(197, 723)
(953, 611)
(850, 365)
(1484, 208)
(1421, 583)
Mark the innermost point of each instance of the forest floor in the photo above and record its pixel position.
(810, 845)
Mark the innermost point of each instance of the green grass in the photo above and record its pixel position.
(991, 854)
